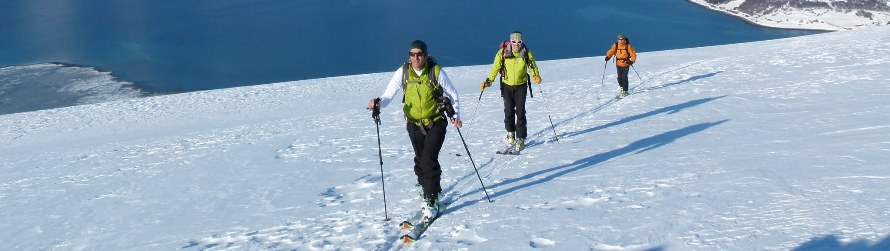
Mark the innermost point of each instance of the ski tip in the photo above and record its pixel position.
(406, 225)
(407, 239)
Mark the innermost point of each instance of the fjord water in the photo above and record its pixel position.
(171, 46)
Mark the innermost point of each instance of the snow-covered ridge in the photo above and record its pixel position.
(806, 14)
(769, 145)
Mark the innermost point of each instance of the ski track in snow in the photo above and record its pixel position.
(267, 175)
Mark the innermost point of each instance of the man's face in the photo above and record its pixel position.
(417, 58)
(515, 45)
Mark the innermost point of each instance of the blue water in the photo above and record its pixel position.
(174, 45)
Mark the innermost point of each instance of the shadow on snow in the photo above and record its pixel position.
(694, 78)
(833, 243)
(640, 146)
(667, 110)
(612, 101)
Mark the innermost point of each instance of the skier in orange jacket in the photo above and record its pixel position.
(625, 56)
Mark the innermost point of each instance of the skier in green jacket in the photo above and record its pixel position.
(516, 64)
(424, 83)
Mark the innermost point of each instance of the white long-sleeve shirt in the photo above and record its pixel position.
(396, 83)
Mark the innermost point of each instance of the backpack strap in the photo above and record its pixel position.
(626, 48)
(431, 67)
(523, 52)
(438, 93)
(405, 68)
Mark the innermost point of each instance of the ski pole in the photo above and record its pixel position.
(449, 110)
(376, 115)
(479, 100)
(638, 73)
(556, 136)
(603, 81)
(474, 165)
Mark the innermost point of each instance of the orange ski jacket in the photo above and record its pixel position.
(623, 52)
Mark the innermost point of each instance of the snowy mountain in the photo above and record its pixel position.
(806, 14)
(772, 145)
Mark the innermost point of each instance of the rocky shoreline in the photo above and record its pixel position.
(805, 14)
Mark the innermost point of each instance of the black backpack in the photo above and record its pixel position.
(627, 41)
(431, 67)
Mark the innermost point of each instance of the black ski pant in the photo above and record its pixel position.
(622, 77)
(514, 109)
(426, 155)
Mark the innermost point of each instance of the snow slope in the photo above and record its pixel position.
(832, 15)
(772, 145)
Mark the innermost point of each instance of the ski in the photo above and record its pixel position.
(408, 224)
(621, 97)
(419, 226)
(509, 150)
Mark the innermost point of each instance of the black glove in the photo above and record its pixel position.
(607, 59)
(445, 103)
(375, 111)
(630, 62)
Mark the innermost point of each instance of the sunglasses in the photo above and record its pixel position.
(418, 54)
(516, 42)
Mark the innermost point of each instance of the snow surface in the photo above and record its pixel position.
(806, 18)
(771, 145)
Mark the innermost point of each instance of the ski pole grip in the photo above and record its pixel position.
(375, 110)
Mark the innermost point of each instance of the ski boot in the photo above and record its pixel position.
(430, 207)
(511, 136)
(519, 144)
